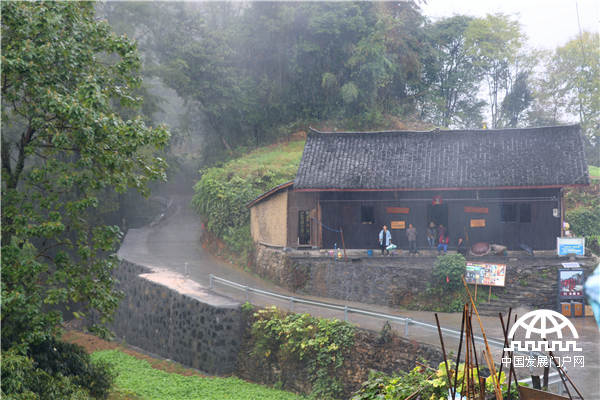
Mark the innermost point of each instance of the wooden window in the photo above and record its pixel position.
(525, 213)
(508, 212)
(304, 227)
(367, 215)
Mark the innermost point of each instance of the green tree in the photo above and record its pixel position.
(517, 100)
(574, 76)
(548, 104)
(63, 145)
(495, 42)
(453, 76)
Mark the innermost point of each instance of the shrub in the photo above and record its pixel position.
(22, 380)
(448, 271)
(60, 359)
(430, 385)
(321, 344)
(585, 221)
(222, 192)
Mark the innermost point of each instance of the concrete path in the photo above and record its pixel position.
(174, 243)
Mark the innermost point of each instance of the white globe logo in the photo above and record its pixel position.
(549, 322)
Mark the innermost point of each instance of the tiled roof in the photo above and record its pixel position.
(548, 156)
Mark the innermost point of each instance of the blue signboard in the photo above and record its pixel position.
(566, 246)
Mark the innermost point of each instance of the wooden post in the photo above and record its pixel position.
(488, 353)
(437, 321)
(462, 329)
(489, 294)
(475, 290)
(343, 244)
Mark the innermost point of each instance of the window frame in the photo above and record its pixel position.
(370, 213)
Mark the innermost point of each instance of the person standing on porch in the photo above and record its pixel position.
(411, 234)
(431, 235)
(385, 239)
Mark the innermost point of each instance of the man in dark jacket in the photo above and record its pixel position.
(411, 234)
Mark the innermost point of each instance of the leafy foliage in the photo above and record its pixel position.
(139, 377)
(64, 146)
(495, 43)
(585, 221)
(320, 343)
(54, 370)
(448, 271)
(452, 74)
(430, 385)
(222, 193)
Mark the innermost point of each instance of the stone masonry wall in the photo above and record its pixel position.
(371, 351)
(530, 282)
(165, 314)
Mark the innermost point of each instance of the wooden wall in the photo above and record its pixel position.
(343, 209)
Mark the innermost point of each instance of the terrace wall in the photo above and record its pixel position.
(175, 318)
(391, 281)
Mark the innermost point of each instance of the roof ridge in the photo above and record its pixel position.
(438, 130)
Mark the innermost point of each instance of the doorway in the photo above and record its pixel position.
(438, 213)
(304, 227)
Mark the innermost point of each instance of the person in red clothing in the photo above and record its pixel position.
(443, 243)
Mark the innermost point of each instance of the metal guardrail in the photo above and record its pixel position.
(553, 378)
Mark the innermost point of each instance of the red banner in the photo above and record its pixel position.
(479, 210)
(397, 210)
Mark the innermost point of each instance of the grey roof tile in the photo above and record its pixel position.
(547, 156)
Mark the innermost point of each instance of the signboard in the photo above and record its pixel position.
(571, 265)
(566, 246)
(397, 210)
(478, 223)
(485, 274)
(437, 200)
(570, 283)
(398, 224)
(478, 210)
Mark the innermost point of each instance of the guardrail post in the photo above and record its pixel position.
(346, 313)
(211, 283)
(291, 304)
(406, 327)
(247, 290)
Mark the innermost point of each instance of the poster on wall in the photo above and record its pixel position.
(570, 283)
(478, 223)
(398, 224)
(485, 274)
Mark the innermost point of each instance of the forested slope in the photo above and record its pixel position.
(251, 73)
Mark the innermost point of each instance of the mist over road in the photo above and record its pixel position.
(174, 240)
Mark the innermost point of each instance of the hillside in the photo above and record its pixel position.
(222, 193)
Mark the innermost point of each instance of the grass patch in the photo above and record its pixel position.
(594, 171)
(138, 380)
(281, 158)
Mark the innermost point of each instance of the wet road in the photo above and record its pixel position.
(174, 243)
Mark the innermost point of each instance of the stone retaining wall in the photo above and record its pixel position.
(371, 351)
(530, 282)
(166, 314)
